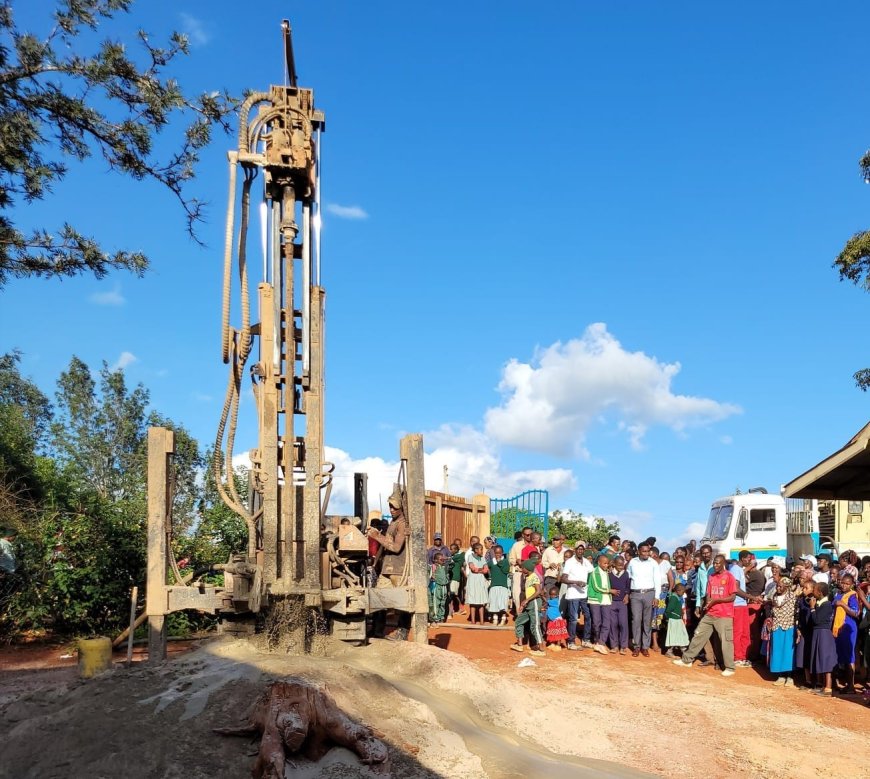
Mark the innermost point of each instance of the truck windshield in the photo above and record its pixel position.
(718, 523)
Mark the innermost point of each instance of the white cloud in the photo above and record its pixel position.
(550, 403)
(347, 212)
(111, 298)
(124, 360)
(472, 461)
(195, 29)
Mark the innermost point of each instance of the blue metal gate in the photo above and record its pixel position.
(510, 515)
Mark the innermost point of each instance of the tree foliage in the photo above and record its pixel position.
(80, 506)
(853, 264)
(60, 105)
(594, 531)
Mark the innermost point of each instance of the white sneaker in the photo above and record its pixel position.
(727, 672)
(494, 620)
(574, 647)
(679, 661)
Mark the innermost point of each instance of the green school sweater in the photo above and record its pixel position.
(498, 573)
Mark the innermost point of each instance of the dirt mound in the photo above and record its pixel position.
(439, 714)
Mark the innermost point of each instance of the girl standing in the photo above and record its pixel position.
(475, 586)
(823, 651)
(845, 629)
(498, 586)
(675, 613)
(557, 628)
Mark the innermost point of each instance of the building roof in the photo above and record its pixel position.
(844, 475)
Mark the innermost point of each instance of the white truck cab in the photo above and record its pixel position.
(755, 521)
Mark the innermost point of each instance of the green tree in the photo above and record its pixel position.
(853, 264)
(100, 436)
(220, 532)
(594, 531)
(59, 104)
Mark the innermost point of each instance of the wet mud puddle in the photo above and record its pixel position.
(503, 754)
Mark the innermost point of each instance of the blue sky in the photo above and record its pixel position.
(590, 249)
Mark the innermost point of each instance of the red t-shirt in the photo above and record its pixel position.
(527, 550)
(721, 585)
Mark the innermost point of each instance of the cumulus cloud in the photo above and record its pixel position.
(550, 402)
(195, 29)
(112, 297)
(347, 212)
(124, 360)
(472, 461)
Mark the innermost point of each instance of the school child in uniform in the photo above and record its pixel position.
(675, 613)
(557, 628)
(529, 611)
(440, 578)
(823, 650)
(499, 592)
(600, 600)
(845, 630)
(620, 587)
(457, 562)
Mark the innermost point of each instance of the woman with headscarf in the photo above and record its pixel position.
(529, 611)
(781, 624)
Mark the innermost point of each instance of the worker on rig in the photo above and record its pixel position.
(392, 564)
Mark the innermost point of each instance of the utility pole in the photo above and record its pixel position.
(444, 488)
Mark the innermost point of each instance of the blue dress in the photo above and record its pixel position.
(848, 633)
(823, 651)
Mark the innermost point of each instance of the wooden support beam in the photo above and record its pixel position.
(161, 445)
(411, 451)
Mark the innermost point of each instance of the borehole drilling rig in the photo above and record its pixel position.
(295, 550)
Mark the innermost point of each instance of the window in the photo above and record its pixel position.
(718, 523)
(762, 519)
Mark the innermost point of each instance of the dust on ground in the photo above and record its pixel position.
(462, 710)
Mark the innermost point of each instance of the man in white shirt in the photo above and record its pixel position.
(646, 582)
(575, 573)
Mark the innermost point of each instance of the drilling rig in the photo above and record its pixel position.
(295, 550)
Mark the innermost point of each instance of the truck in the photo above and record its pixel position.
(770, 525)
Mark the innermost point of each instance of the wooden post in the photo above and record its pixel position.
(314, 452)
(161, 444)
(269, 388)
(133, 597)
(411, 450)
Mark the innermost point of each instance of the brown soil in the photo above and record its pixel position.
(467, 711)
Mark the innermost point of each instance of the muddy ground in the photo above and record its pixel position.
(457, 708)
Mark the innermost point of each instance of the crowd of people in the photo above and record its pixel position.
(806, 621)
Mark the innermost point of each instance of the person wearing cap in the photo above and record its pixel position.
(551, 560)
(437, 548)
(391, 565)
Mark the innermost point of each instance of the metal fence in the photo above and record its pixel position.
(528, 509)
